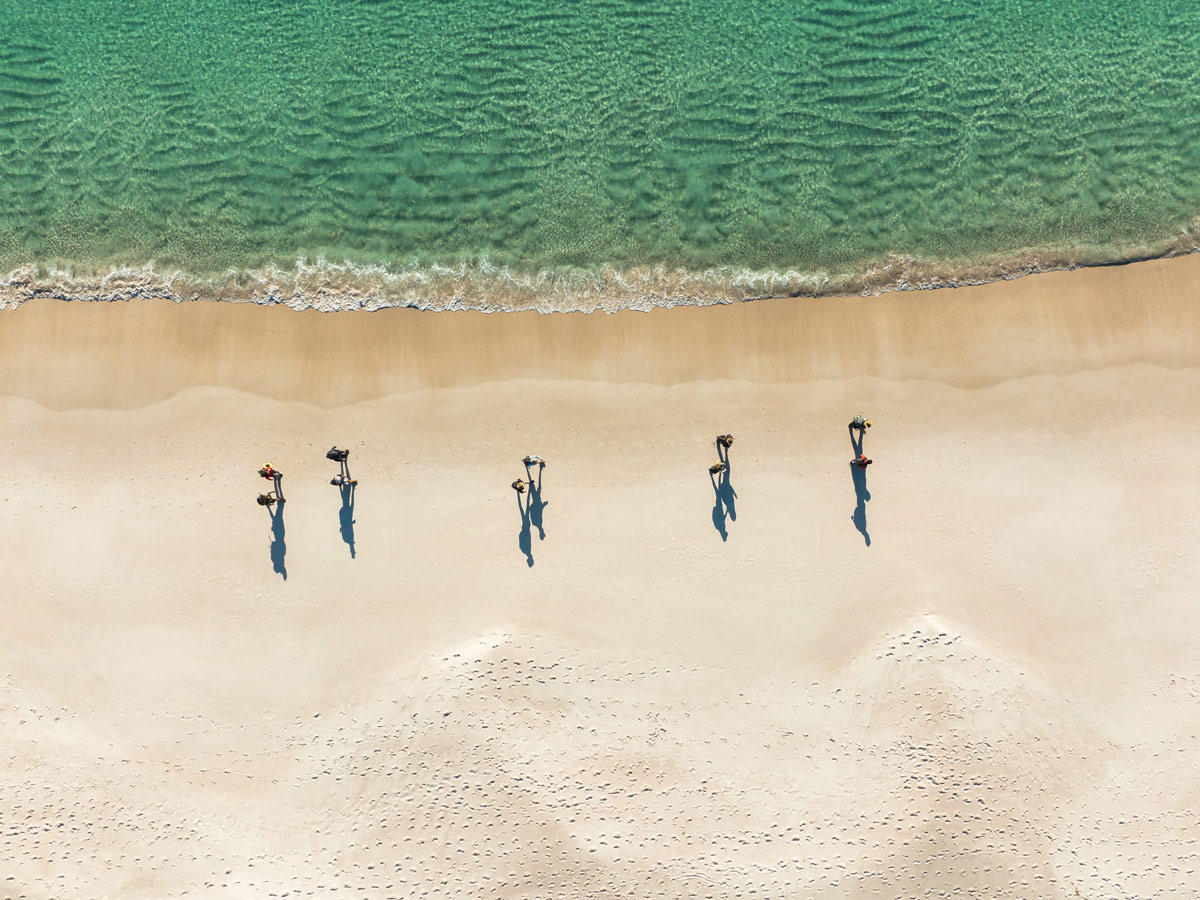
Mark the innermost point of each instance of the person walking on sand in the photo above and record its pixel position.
(341, 457)
(519, 486)
(534, 460)
(724, 442)
(268, 499)
(717, 468)
(861, 461)
(342, 481)
(274, 476)
(860, 424)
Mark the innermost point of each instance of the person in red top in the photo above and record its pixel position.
(274, 476)
(862, 462)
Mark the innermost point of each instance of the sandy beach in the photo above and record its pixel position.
(974, 674)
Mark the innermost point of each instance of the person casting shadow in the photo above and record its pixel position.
(346, 513)
(278, 545)
(861, 496)
(858, 429)
(274, 476)
(536, 504)
(725, 489)
(525, 538)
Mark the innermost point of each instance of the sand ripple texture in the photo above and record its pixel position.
(507, 767)
(649, 153)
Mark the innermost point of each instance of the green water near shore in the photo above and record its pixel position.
(806, 136)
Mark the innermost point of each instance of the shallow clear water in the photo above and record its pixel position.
(818, 137)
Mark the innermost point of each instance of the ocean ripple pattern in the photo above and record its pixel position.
(597, 154)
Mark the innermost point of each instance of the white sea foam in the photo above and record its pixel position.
(481, 285)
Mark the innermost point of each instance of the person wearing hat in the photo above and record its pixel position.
(273, 475)
(860, 424)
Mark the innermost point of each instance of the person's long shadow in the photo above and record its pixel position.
(725, 484)
(856, 443)
(718, 510)
(537, 505)
(278, 546)
(525, 538)
(346, 515)
(861, 496)
(725, 497)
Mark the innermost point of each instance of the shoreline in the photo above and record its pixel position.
(968, 337)
(486, 287)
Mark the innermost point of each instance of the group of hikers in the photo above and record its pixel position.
(273, 475)
(858, 425)
(531, 511)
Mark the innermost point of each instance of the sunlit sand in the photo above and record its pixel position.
(971, 673)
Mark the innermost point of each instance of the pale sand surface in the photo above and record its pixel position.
(997, 698)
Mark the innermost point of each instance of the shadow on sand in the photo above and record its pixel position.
(278, 546)
(536, 504)
(725, 496)
(861, 496)
(525, 538)
(346, 515)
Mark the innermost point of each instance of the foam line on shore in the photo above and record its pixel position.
(482, 286)
(63, 354)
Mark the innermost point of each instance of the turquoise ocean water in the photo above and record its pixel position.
(491, 149)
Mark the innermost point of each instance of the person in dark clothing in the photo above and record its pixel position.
(341, 457)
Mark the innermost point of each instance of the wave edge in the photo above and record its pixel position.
(483, 287)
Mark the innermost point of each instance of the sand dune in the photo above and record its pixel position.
(995, 698)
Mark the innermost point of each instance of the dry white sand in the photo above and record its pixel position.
(997, 698)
